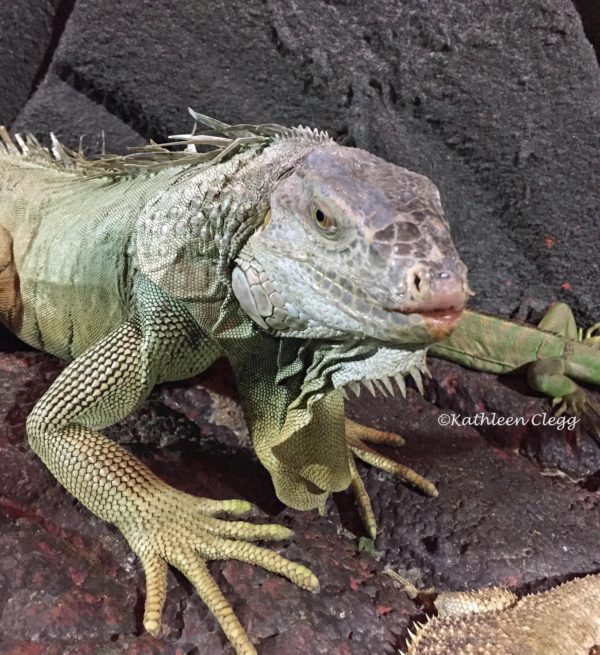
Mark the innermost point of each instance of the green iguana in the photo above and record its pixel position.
(308, 265)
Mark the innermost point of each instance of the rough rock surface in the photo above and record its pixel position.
(497, 521)
(28, 36)
(497, 102)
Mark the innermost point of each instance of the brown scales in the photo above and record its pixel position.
(11, 303)
(562, 621)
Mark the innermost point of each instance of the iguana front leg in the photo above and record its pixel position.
(549, 376)
(161, 524)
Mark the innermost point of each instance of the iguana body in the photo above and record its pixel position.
(308, 265)
(562, 621)
(554, 353)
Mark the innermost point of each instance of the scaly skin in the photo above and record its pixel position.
(555, 353)
(308, 265)
(564, 620)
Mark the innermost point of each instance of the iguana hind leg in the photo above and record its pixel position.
(559, 319)
(357, 437)
(550, 375)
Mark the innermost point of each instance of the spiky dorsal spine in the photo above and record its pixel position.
(305, 135)
(221, 142)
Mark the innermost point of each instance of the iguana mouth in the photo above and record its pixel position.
(445, 312)
(449, 314)
(439, 322)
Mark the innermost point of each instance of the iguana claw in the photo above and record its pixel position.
(357, 437)
(577, 404)
(590, 338)
(182, 531)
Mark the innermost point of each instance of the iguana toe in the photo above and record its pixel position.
(363, 501)
(577, 403)
(357, 437)
(591, 337)
(212, 507)
(389, 465)
(155, 570)
(372, 435)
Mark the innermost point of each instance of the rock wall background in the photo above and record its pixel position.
(499, 103)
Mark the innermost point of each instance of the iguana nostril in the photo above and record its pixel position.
(417, 283)
(419, 279)
(431, 289)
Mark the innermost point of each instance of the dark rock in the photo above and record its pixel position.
(497, 521)
(75, 120)
(29, 35)
(569, 444)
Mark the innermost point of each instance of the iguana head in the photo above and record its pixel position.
(353, 247)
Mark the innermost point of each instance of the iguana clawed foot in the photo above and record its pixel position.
(182, 531)
(357, 437)
(591, 336)
(577, 403)
(553, 375)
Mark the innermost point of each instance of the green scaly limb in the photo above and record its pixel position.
(556, 354)
(308, 265)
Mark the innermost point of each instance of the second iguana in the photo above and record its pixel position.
(564, 620)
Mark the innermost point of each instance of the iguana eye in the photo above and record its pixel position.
(324, 222)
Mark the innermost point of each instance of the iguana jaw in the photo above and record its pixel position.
(440, 323)
(311, 305)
